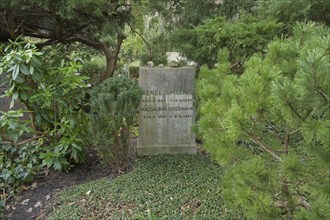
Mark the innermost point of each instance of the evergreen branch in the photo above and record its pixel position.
(295, 131)
(308, 113)
(302, 202)
(295, 112)
(46, 43)
(88, 42)
(277, 133)
(286, 143)
(266, 148)
(234, 65)
(324, 96)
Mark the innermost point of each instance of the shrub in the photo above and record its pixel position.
(114, 105)
(54, 97)
(270, 126)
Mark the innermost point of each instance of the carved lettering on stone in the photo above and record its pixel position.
(167, 111)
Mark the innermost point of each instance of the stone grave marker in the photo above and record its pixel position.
(167, 114)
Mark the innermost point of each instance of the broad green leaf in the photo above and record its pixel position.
(20, 80)
(23, 96)
(24, 69)
(31, 70)
(15, 72)
(12, 103)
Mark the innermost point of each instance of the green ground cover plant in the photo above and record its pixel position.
(169, 186)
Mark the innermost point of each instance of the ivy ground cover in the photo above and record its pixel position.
(169, 187)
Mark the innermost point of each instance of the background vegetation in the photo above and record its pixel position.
(263, 90)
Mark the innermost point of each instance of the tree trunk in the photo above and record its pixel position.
(111, 58)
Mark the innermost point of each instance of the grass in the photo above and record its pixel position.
(169, 186)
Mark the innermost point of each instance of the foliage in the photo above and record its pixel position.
(54, 96)
(270, 127)
(19, 164)
(50, 131)
(244, 27)
(154, 22)
(114, 105)
(242, 38)
(97, 24)
(291, 11)
(93, 67)
(182, 13)
(170, 186)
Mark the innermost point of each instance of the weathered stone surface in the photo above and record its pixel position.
(167, 111)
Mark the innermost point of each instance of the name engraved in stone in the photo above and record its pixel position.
(165, 116)
(167, 109)
(167, 92)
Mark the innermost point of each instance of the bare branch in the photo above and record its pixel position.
(286, 143)
(88, 42)
(234, 65)
(22, 142)
(144, 40)
(295, 112)
(324, 96)
(266, 148)
(302, 202)
(28, 140)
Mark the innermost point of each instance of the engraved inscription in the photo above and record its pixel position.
(166, 113)
(167, 104)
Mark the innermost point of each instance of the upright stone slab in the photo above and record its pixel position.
(167, 111)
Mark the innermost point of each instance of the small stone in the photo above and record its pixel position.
(25, 202)
(38, 204)
(88, 192)
(29, 210)
(174, 63)
(47, 197)
(34, 185)
(161, 65)
(150, 64)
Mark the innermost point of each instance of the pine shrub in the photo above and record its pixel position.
(114, 106)
(270, 127)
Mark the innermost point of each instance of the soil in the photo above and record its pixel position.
(30, 204)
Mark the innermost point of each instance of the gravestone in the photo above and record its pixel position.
(166, 114)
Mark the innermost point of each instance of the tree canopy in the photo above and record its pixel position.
(98, 24)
